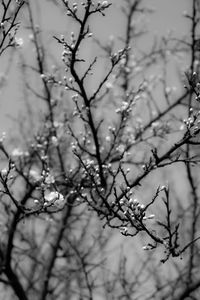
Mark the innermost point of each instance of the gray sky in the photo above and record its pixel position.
(168, 16)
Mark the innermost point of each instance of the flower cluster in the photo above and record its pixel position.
(19, 42)
(54, 199)
(6, 173)
(118, 56)
(135, 210)
(45, 178)
(91, 171)
(17, 153)
(34, 175)
(125, 107)
(50, 78)
(193, 121)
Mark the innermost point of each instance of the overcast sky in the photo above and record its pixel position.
(168, 15)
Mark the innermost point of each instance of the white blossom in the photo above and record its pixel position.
(54, 199)
(34, 175)
(4, 172)
(49, 179)
(19, 42)
(109, 85)
(17, 152)
(54, 140)
(104, 4)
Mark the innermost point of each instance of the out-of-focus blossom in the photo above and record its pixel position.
(4, 172)
(49, 179)
(17, 152)
(54, 199)
(34, 175)
(19, 42)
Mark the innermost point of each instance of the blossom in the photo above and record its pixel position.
(104, 4)
(34, 175)
(17, 152)
(54, 199)
(108, 138)
(49, 179)
(31, 37)
(109, 85)
(121, 148)
(18, 2)
(4, 172)
(43, 76)
(54, 141)
(19, 42)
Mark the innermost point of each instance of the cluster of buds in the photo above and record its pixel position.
(135, 213)
(136, 209)
(130, 135)
(49, 78)
(48, 178)
(112, 129)
(116, 57)
(194, 83)
(74, 146)
(91, 171)
(189, 122)
(6, 173)
(45, 179)
(52, 199)
(73, 10)
(124, 108)
(197, 91)
(73, 40)
(193, 120)
(66, 56)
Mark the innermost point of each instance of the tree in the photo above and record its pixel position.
(97, 161)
